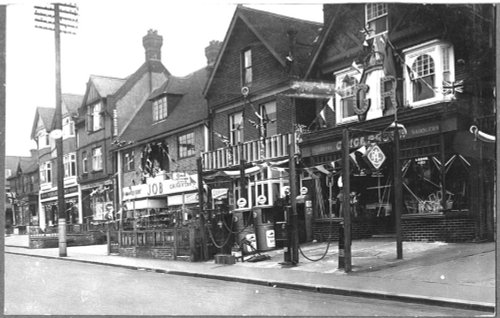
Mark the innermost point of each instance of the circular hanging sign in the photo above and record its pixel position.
(56, 134)
(303, 191)
(261, 199)
(242, 202)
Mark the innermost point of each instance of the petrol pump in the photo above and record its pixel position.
(305, 211)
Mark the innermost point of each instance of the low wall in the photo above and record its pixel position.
(444, 228)
(326, 229)
(52, 240)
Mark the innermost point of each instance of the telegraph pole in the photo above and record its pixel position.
(50, 19)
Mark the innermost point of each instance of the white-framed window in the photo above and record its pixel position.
(427, 66)
(236, 128)
(129, 161)
(186, 145)
(95, 117)
(69, 161)
(345, 99)
(97, 159)
(160, 110)
(246, 67)
(85, 167)
(376, 18)
(43, 139)
(268, 122)
(68, 127)
(46, 172)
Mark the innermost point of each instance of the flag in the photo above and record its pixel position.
(330, 104)
(223, 138)
(450, 88)
(389, 64)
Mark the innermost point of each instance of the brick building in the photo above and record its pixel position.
(47, 156)
(109, 104)
(158, 149)
(253, 113)
(24, 187)
(428, 67)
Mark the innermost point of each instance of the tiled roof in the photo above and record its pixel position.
(47, 115)
(273, 30)
(106, 85)
(190, 108)
(71, 102)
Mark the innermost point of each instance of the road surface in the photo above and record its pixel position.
(39, 286)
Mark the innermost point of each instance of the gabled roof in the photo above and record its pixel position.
(271, 29)
(46, 115)
(71, 103)
(27, 164)
(190, 107)
(105, 85)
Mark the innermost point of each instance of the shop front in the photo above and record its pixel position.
(160, 202)
(97, 202)
(443, 187)
(48, 207)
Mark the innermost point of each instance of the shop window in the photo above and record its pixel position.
(422, 185)
(246, 67)
(160, 110)
(345, 98)
(268, 122)
(97, 159)
(457, 174)
(427, 66)
(186, 145)
(236, 128)
(376, 18)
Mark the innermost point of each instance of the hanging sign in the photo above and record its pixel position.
(375, 156)
(261, 199)
(242, 202)
(303, 191)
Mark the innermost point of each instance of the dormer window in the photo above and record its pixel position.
(246, 65)
(376, 18)
(160, 109)
(95, 117)
(427, 66)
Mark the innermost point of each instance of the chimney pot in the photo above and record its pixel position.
(152, 43)
(211, 52)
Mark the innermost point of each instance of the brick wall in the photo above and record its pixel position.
(460, 229)
(92, 238)
(322, 230)
(267, 71)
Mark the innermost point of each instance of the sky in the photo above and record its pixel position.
(109, 42)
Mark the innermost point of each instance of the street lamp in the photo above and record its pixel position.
(398, 183)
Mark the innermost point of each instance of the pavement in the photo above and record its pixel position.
(460, 275)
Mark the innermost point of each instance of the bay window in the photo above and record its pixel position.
(428, 65)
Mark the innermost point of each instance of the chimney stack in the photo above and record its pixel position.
(152, 43)
(211, 52)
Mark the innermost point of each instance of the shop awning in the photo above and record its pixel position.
(146, 204)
